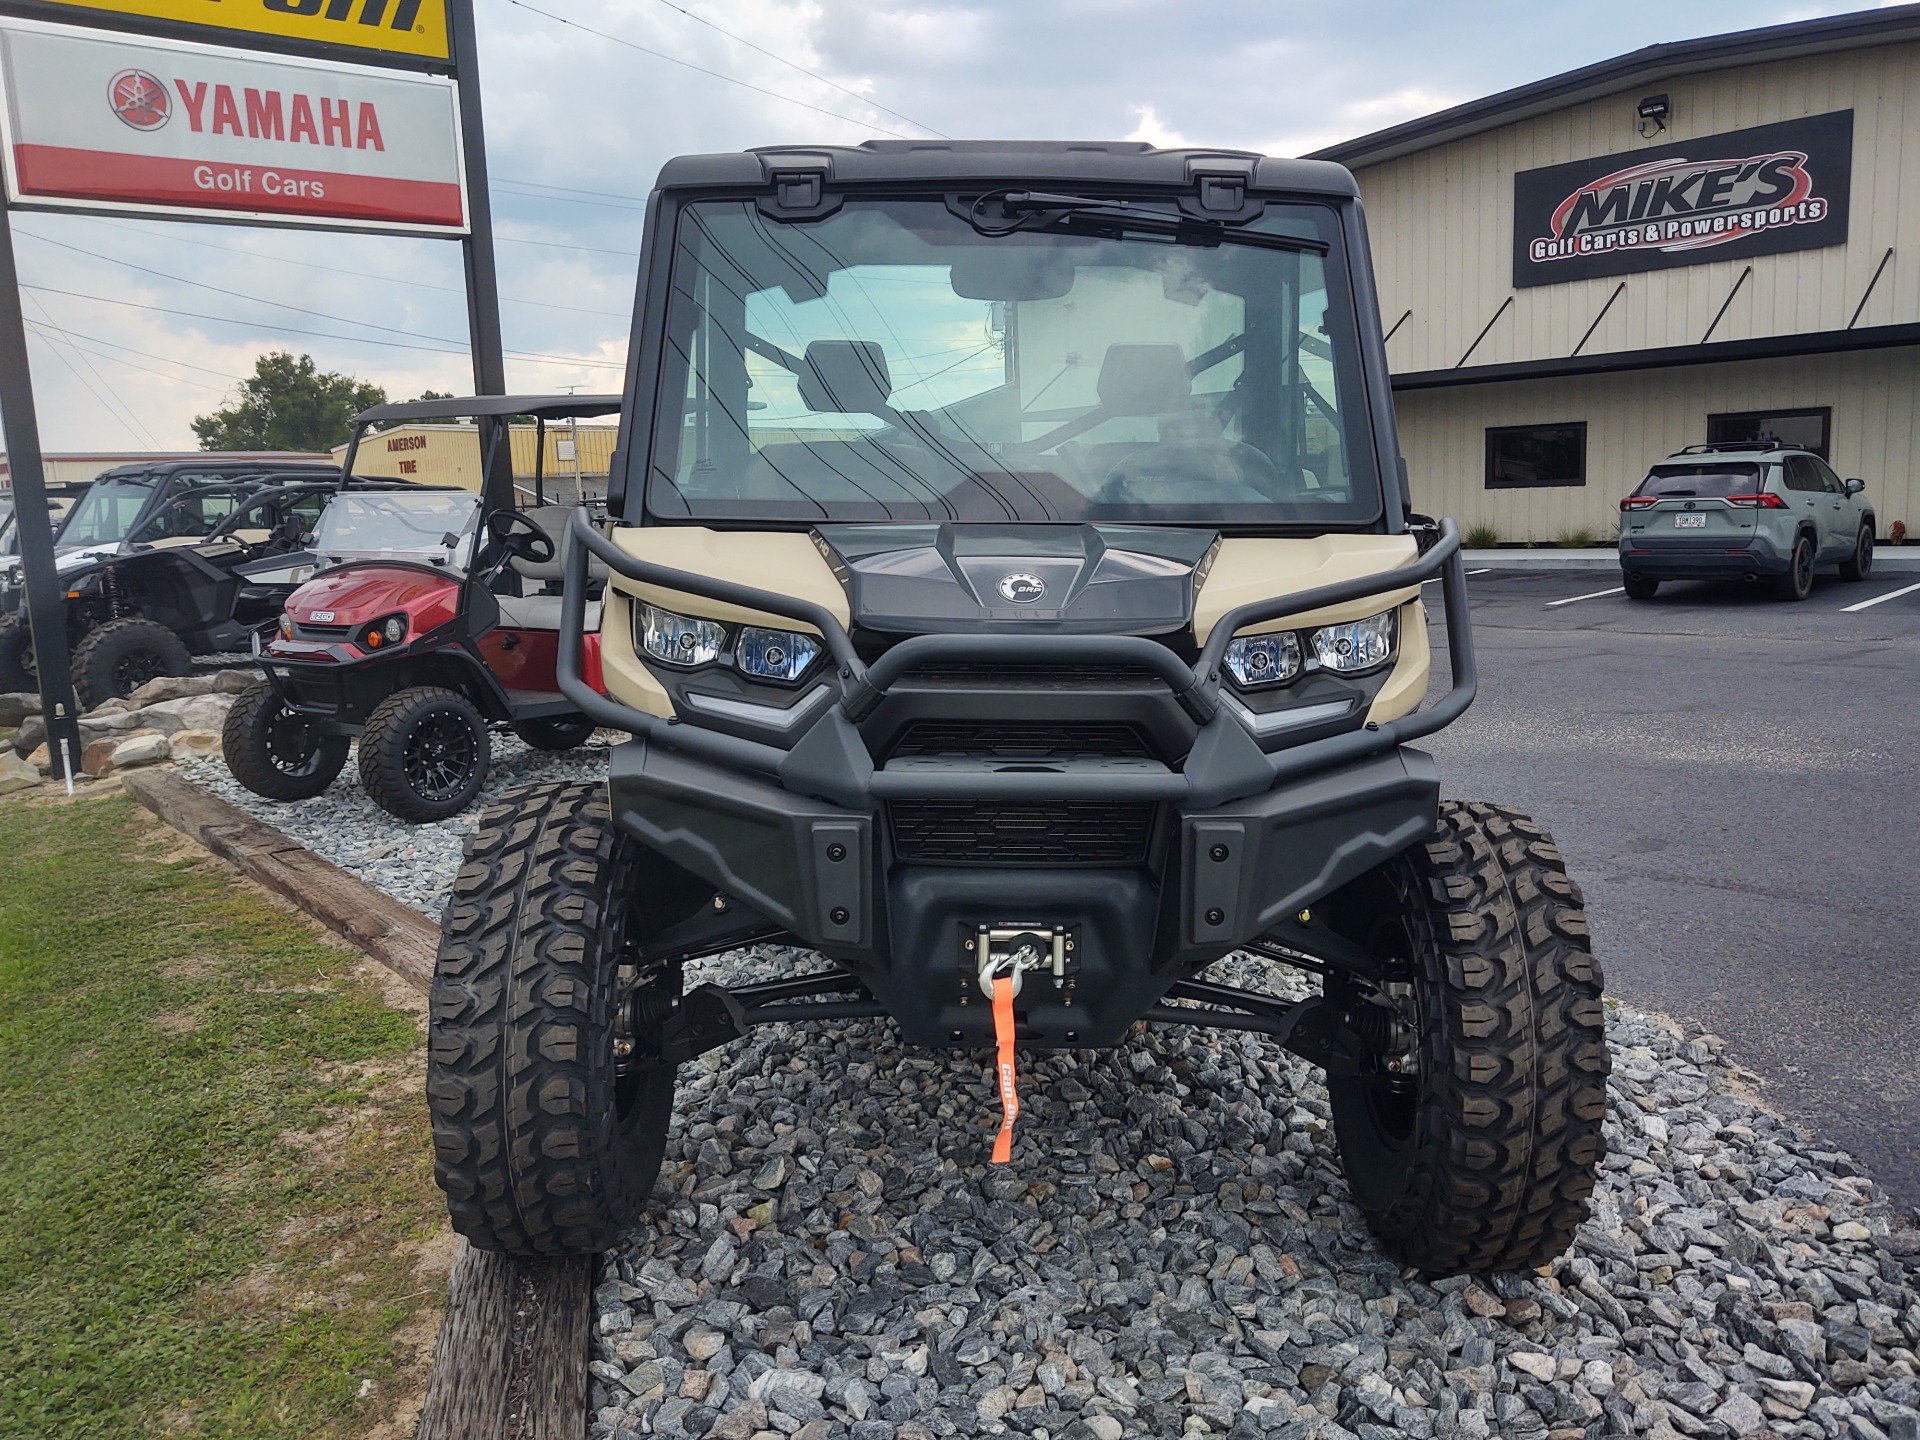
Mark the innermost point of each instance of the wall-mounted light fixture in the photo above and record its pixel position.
(1653, 115)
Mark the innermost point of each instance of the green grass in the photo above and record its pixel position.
(215, 1185)
(1579, 538)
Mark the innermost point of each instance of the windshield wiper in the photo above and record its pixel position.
(1044, 210)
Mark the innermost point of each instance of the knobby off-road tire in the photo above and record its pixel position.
(557, 733)
(424, 753)
(18, 672)
(542, 1147)
(1639, 587)
(277, 752)
(120, 656)
(1484, 1162)
(1859, 565)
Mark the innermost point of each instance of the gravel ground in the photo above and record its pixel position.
(1173, 1251)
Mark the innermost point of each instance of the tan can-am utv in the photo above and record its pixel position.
(1015, 600)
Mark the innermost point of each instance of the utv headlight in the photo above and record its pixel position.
(1361, 645)
(775, 654)
(381, 633)
(678, 640)
(1255, 660)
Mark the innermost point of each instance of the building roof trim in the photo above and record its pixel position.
(1719, 352)
(1647, 66)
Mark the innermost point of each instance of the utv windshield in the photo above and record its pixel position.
(433, 527)
(107, 511)
(894, 362)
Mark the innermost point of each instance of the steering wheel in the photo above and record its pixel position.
(516, 535)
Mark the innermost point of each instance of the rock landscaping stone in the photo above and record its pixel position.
(146, 749)
(195, 712)
(15, 707)
(195, 744)
(182, 687)
(31, 734)
(16, 774)
(1174, 1253)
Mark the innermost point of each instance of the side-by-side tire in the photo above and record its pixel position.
(1797, 583)
(1859, 565)
(1639, 587)
(18, 672)
(277, 752)
(120, 656)
(549, 1101)
(566, 732)
(1479, 1154)
(424, 753)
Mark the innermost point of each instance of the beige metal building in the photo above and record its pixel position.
(1707, 240)
(575, 461)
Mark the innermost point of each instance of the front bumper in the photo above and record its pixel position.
(1687, 561)
(809, 837)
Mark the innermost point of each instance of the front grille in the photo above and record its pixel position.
(303, 630)
(1034, 676)
(1019, 740)
(1044, 832)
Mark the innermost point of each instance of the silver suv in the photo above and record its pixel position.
(1749, 508)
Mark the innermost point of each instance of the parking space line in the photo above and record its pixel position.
(1869, 604)
(1597, 594)
(1484, 570)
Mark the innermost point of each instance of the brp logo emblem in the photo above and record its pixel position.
(1023, 589)
(139, 99)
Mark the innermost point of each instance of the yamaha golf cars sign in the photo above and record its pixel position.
(1747, 192)
(134, 124)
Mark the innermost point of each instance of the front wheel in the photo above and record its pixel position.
(1639, 587)
(1859, 565)
(18, 671)
(1476, 1150)
(277, 752)
(424, 753)
(122, 655)
(564, 732)
(549, 1099)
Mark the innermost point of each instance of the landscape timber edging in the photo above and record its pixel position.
(511, 1359)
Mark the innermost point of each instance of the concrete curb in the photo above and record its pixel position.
(1905, 560)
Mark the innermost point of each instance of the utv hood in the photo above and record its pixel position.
(355, 594)
(1074, 579)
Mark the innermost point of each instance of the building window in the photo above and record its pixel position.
(1522, 457)
(1796, 429)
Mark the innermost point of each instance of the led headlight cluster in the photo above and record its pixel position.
(1279, 656)
(764, 654)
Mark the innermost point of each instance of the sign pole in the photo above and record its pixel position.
(476, 246)
(46, 609)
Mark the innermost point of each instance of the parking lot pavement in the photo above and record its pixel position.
(1733, 780)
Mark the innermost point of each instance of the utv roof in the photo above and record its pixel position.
(463, 407)
(1004, 162)
(266, 463)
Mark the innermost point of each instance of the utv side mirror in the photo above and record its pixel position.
(1854, 487)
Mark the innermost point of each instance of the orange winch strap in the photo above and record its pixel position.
(1009, 1095)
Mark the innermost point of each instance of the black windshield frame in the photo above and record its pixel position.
(659, 378)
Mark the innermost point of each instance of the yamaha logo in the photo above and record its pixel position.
(1023, 589)
(139, 99)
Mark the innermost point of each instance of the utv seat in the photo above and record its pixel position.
(541, 611)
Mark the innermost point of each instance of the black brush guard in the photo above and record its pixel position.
(792, 836)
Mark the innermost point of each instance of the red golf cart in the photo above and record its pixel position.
(433, 618)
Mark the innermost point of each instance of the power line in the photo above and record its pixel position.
(812, 74)
(38, 328)
(323, 334)
(148, 354)
(717, 75)
(109, 401)
(565, 245)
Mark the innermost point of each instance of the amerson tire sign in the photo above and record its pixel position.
(94, 120)
(1749, 192)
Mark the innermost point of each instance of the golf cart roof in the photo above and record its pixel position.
(466, 407)
(1010, 162)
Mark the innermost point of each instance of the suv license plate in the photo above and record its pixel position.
(1689, 522)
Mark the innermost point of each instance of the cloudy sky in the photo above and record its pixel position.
(137, 326)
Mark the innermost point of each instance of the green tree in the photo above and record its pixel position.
(288, 404)
(434, 395)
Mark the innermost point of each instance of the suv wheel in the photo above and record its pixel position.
(1797, 583)
(565, 732)
(277, 752)
(1859, 565)
(18, 671)
(1639, 587)
(1478, 1151)
(424, 753)
(122, 655)
(549, 1101)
